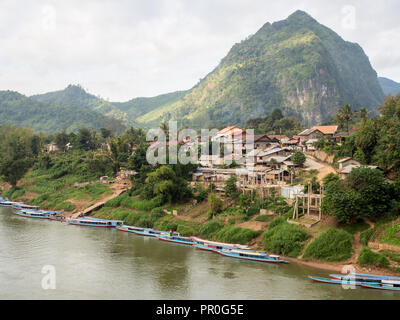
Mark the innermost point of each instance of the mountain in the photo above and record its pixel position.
(296, 64)
(17, 109)
(76, 96)
(140, 106)
(389, 86)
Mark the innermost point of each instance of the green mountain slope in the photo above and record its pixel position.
(389, 86)
(140, 106)
(76, 96)
(17, 109)
(296, 64)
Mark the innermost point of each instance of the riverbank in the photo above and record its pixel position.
(189, 219)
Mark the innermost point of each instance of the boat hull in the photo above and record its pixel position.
(21, 214)
(182, 242)
(89, 225)
(380, 287)
(338, 281)
(273, 261)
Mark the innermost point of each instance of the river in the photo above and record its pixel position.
(96, 263)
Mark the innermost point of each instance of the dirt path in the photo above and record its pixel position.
(118, 188)
(323, 168)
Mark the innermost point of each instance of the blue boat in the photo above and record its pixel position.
(251, 255)
(140, 231)
(169, 237)
(94, 222)
(364, 277)
(215, 246)
(385, 285)
(22, 206)
(4, 202)
(36, 214)
(341, 281)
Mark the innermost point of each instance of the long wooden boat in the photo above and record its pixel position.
(7, 203)
(177, 239)
(212, 245)
(22, 206)
(364, 277)
(385, 285)
(251, 256)
(341, 282)
(94, 222)
(36, 214)
(140, 231)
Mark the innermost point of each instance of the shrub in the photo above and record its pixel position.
(186, 231)
(369, 258)
(284, 238)
(276, 221)
(234, 234)
(210, 228)
(157, 213)
(366, 236)
(264, 218)
(332, 245)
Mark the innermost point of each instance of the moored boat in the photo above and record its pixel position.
(341, 281)
(364, 277)
(4, 202)
(94, 222)
(177, 239)
(214, 246)
(140, 231)
(37, 214)
(385, 285)
(258, 256)
(22, 206)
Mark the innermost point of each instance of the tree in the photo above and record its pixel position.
(167, 185)
(364, 193)
(85, 140)
(216, 205)
(231, 187)
(345, 115)
(62, 139)
(299, 158)
(15, 159)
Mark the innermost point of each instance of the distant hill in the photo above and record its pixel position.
(17, 109)
(140, 106)
(76, 96)
(389, 86)
(296, 64)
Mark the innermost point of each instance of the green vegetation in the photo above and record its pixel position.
(391, 235)
(364, 193)
(210, 229)
(284, 238)
(368, 258)
(216, 205)
(275, 123)
(332, 245)
(299, 158)
(234, 234)
(273, 68)
(17, 109)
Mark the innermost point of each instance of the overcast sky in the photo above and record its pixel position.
(124, 49)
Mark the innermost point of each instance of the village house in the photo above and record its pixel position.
(279, 138)
(346, 165)
(317, 132)
(51, 148)
(262, 141)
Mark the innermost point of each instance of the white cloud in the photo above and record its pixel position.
(123, 49)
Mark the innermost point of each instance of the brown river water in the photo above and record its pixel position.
(97, 263)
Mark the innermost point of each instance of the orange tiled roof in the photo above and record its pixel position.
(326, 129)
(230, 129)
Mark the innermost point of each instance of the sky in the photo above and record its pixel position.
(121, 49)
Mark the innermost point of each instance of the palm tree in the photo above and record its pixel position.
(345, 115)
